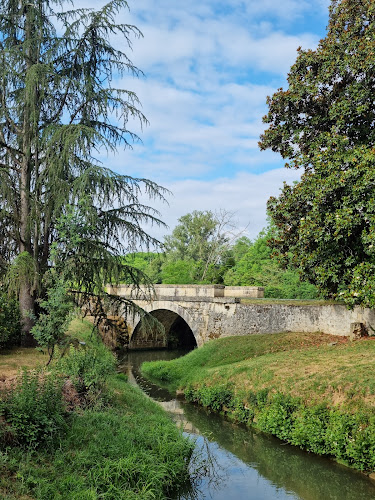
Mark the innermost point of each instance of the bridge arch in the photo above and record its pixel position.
(180, 329)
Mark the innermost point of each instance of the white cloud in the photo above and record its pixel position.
(209, 66)
(246, 195)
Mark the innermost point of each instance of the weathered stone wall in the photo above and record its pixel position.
(245, 319)
(211, 314)
(225, 317)
(253, 292)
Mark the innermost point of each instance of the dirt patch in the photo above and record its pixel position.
(7, 384)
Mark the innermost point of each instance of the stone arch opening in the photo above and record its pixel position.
(178, 334)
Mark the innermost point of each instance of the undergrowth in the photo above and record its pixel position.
(318, 429)
(114, 444)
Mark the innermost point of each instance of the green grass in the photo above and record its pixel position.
(254, 361)
(311, 390)
(131, 451)
(125, 448)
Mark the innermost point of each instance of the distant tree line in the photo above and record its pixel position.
(203, 249)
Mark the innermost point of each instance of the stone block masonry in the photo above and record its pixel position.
(217, 311)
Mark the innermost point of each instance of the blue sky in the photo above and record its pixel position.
(209, 66)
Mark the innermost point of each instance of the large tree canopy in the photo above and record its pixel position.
(324, 123)
(199, 243)
(59, 113)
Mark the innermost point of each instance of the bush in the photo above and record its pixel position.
(317, 428)
(310, 429)
(33, 411)
(240, 412)
(51, 325)
(213, 397)
(10, 324)
(277, 417)
(88, 368)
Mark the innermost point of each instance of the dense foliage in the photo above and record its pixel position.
(243, 262)
(255, 267)
(88, 370)
(50, 328)
(324, 123)
(33, 413)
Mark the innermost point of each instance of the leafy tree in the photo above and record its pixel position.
(181, 272)
(59, 111)
(324, 123)
(202, 238)
(240, 247)
(53, 322)
(149, 263)
(257, 268)
(10, 326)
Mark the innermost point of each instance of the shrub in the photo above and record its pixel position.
(310, 429)
(49, 329)
(33, 411)
(213, 397)
(360, 447)
(276, 417)
(240, 412)
(88, 368)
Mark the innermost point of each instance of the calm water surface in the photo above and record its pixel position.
(242, 464)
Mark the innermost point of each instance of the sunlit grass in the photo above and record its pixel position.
(15, 359)
(315, 367)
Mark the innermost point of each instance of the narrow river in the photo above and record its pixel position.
(242, 464)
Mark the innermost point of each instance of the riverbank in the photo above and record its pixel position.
(311, 390)
(120, 446)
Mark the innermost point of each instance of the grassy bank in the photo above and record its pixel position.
(311, 390)
(120, 446)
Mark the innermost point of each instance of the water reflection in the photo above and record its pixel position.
(241, 463)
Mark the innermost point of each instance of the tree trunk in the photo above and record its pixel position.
(27, 305)
(26, 294)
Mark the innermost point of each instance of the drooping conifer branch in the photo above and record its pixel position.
(59, 112)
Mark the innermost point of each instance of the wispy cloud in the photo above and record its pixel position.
(242, 195)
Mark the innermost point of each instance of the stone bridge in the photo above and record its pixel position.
(193, 314)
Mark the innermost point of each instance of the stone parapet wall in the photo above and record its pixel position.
(168, 291)
(245, 319)
(224, 317)
(244, 292)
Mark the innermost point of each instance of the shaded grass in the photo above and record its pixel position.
(82, 329)
(13, 360)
